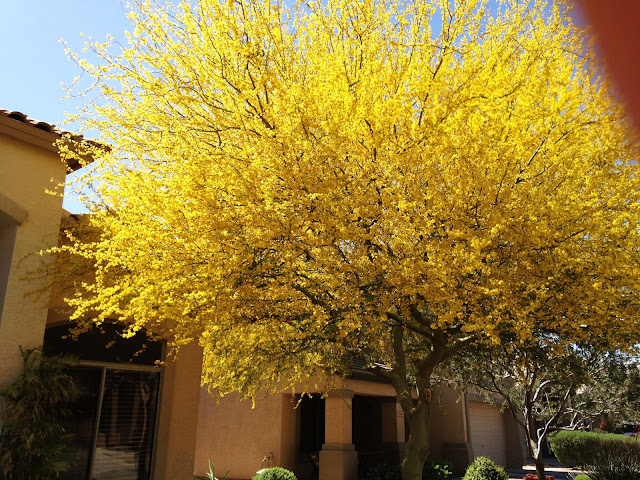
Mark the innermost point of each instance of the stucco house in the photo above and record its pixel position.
(138, 420)
(30, 222)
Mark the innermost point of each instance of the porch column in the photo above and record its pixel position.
(177, 428)
(338, 458)
(393, 435)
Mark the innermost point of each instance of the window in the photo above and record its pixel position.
(114, 419)
(8, 231)
(11, 217)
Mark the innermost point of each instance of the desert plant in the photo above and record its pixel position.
(211, 474)
(275, 473)
(483, 468)
(437, 470)
(616, 461)
(33, 436)
(383, 471)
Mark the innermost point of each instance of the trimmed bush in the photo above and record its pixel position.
(483, 468)
(581, 449)
(574, 448)
(582, 476)
(275, 473)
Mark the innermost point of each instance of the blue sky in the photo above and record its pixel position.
(32, 60)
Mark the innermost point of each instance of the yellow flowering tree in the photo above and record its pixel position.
(296, 187)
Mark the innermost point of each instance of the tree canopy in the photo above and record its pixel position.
(296, 186)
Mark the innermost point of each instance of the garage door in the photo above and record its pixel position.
(487, 432)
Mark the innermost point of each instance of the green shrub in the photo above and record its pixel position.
(383, 471)
(432, 470)
(573, 449)
(275, 473)
(617, 461)
(33, 436)
(483, 468)
(581, 449)
(582, 476)
(437, 470)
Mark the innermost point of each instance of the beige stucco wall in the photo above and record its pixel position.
(448, 420)
(516, 448)
(232, 435)
(449, 428)
(25, 171)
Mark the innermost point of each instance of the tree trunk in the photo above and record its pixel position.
(418, 445)
(417, 411)
(539, 465)
(533, 441)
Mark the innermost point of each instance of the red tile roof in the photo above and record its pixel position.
(47, 127)
(44, 141)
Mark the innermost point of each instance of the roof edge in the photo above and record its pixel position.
(40, 134)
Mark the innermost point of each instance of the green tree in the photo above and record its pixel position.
(548, 385)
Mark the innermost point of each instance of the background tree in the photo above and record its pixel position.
(548, 385)
(295, 187)
(613, 394)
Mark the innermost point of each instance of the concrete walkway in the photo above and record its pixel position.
(551, 467)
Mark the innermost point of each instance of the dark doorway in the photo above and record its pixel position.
(311, 424)
(367, 430)
(312, 416)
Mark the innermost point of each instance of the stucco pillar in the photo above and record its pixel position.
(393, 434)
(178, 416)
(392, 422)
(338, 458)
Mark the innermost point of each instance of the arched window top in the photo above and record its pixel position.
(103, 344)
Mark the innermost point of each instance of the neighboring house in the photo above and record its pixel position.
(137, 420)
